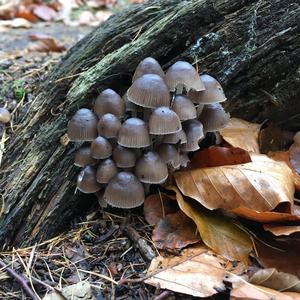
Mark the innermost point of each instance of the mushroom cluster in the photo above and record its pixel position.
(130, 142)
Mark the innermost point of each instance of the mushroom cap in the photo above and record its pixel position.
(149, 91)
(82, 126)
(109, 102)
(184, 160)
(124, 191)
(5, 115)
(150, 168)
(190, 146)
(101, 148)
(83, 157)
(184, 108)
(108, 126)
(129, 106)
(86, 181)
(199, 109)
(183, 73)
(194, 130)
(163, 120)
(169, 155)
(148, 65)
(124, 157)
(134, 134)
(106, 170)
(174, 138)
(297, 137)
(214, 117)
(213, 91)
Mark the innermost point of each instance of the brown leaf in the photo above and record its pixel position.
(241, 134)
(217, 231)
(295, 157)
(260, 185)
(157, 206)
(175, 231)
(45, 43)
(45, 12)
(197, 272)
(282, 230)
(27, 15)
(273, 279)
(219, 156)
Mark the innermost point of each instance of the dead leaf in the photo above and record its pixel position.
(16, 23)
(197, 272)
(45, 12)
(27, 15)
(45, 43)
(8, 10)
(260, 185)
(295, 157)
(282, 230)
(157, 206)
(175, 231)
(241, 134)
(219, 156)
(273, 279)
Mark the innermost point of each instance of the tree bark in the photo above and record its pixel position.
(252, 47)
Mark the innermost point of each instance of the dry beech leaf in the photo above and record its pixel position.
(157, 206)
(260, 185)
(282, 230)
(273, 279)
(197, 272)
(218, 232)
(175, 231)
(295, 157)
(219, 156)
(247, 291)
(241, 134)
(45, 43)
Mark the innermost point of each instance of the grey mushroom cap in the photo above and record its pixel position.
(148, 65)
(184, 108)
(5, 115)
(101, 148)
(109, 101)
(134, 133)
(169, 155)
(183, 74)
(124, 157)
(149, 91)
(297, 137)
(194, 133)
(163, 121)
(108, 125)
(86, 181)
(175, 138)
(124, 191)
(213, 91)
(106, 170)
(150, 168)
(184, 160)
(83, 157)
(82, 126)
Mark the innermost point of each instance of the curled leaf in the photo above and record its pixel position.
(282, 230)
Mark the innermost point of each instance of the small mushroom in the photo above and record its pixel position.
(134, 134)
(123, 157)
(86, 181)
(213, 91)
(169, 155)
(83, 157)
(150, 168)
(108, 126)
(194, 133)
(214, 117)
(163, 120)
(130, 107)
(199, 109)
(183, 74)
(109, 102)
(184, 108)
(101, 148)
(5, 115)
(296, 138)
(106, 170)
(124, 191)
(184, 160)
(175, 138)
(148, 65)
(149, 91)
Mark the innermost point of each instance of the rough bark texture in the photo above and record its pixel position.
(252, 47)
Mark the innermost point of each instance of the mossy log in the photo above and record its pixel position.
(252, 47)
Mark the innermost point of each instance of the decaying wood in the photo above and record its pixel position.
(252, 47)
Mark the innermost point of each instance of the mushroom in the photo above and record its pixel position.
(199, 109)
(184, 160)
(297, 138)
(5, 115)
(194, 133)
(184, 108)
(101, 148)
(149, 91)
(130, 107)
(213, 91)
(106, 171)
(148, 65)
(86, 181)
(134, 134)
(109, 102)
(163, 120)
(169, 155)
(124, 191)
(214, 117)
(183, 74)
(150, 168)
(123, 157)
(108, 126)
(82, 126)
(83, 157)
(175, 138)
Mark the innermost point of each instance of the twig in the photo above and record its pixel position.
(19, 278)
(163, 295)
